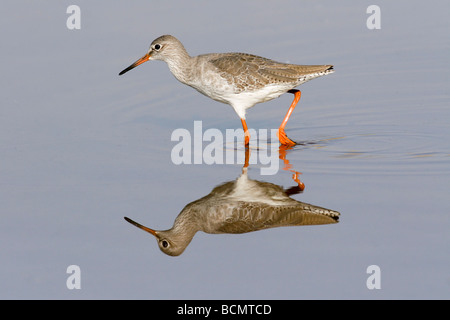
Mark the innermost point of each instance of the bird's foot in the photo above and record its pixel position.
(284, 138)
(301, 185)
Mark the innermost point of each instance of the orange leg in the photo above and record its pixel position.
(246, 133)
(247, 156)
(287, 166)
(301, 185)
(281, 134)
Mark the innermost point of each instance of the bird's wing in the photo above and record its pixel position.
(247, 217)
(247, 71)
(240, 70)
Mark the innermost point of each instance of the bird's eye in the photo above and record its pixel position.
(157, 47)
(164, 243)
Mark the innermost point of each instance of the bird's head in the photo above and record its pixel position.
(169, 242)
(162, 48)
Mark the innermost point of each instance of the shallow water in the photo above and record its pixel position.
(82, 148)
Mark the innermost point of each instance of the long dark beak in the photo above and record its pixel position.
(135, 64)
(140, 226)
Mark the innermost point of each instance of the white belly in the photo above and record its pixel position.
(240, 102)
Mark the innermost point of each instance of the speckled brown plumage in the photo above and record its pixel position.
(251, 72)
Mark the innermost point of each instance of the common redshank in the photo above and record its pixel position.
(238, 79)
(239, 206)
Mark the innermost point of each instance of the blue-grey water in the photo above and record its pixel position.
(82, 147)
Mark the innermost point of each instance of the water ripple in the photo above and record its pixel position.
(377, 151)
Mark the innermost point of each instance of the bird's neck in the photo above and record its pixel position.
(181, 235)
(181, 66)
(186, 224)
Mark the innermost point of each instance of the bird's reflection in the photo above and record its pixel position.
(240, 206)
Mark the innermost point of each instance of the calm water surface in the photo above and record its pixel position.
(82, 148)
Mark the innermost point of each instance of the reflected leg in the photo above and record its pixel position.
(287, 166)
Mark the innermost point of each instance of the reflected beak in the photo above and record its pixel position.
(135, 64)
(140, 226)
